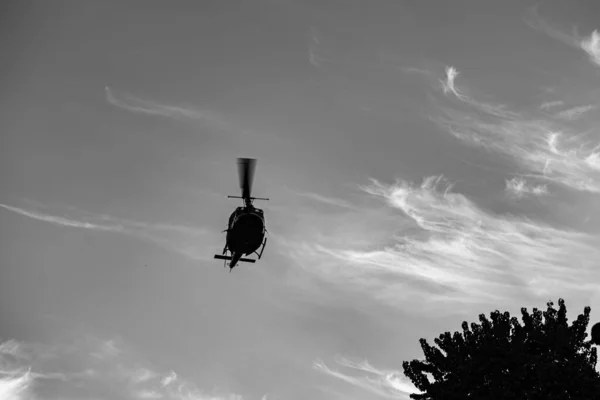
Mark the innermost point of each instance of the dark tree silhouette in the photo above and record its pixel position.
(596, 334)
(544, 358)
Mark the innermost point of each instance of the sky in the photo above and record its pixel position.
(426, 162)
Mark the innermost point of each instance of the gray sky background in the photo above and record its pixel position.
(426, 162)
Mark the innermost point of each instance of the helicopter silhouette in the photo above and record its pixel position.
(246, 228)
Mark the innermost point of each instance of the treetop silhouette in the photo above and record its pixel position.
(500, 358)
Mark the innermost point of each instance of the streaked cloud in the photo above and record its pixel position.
(57, 220)
(107, 350)
(519, 187)
(214, 119)
(551, 104)
(591, 45)
(142, 375)
(444, 251)
(16, 385)
(384, 383)
(575, 112)
(448, 83)
(316, 52)
(535, 21)
(333, 201)
(181, 239)
(167, 380)
(15, 378)
(148, 394)
(118, 374)
(548, 149)
(10, 348)
(136, 104)
(331, 48)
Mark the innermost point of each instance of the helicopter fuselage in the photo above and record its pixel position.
(246, 230)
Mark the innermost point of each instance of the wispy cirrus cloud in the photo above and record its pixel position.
(15, 378)
(519, 187)
(450, 86)
(136, 104)
(575, 112)
(16, 385)
(442, 250)
(107, 350)
(330, 49)
(550, 104)
(62, 221)
(384, 383)
(139, 105)
(319, 198)
(533, 18)
(590, 44)
(181, 239)
(448, 83)
(546, 148)
(34, 371)
(315, 52)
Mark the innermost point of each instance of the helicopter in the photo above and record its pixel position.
(246, 227)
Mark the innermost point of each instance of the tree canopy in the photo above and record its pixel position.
(500, 358)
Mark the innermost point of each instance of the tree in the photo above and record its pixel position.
(543, 358)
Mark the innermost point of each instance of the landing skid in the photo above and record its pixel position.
(226, 258)
(230, 258)
(261, 250)
(220, 257)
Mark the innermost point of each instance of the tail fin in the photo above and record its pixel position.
(235, 257)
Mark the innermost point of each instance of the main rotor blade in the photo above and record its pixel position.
(246, 174)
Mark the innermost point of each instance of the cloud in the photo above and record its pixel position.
(333, 201)
(17, 380)
(448, 83)
(167, 380)
(535, 21)
(591, 45)
(442, 252)
(334, 50)
(115, 374)
(550, 104)
(449, 86)
(15, 385)
(107, 350)
(518, 187)
(547, 149)
(575, 112)
(11, 348)
(57, 220)
(142, 375)
(315, 49)
(138, 105)
(384, 383)
(148, 394)
(181, 239)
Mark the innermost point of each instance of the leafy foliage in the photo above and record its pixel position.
(500, 358)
